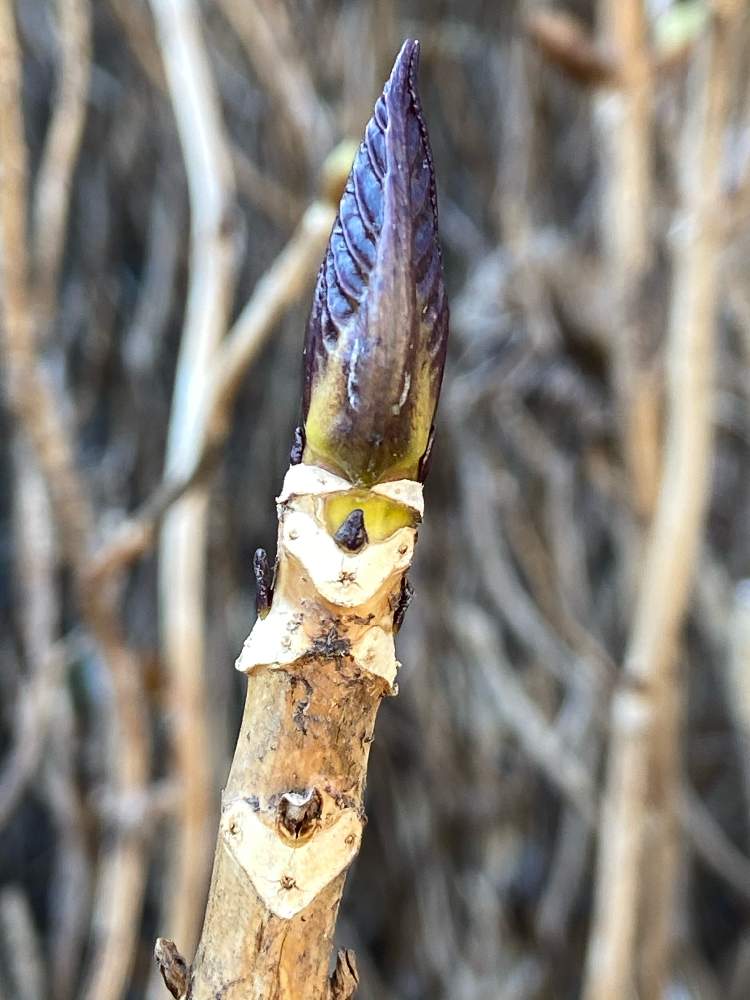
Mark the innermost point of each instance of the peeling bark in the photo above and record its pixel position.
(318, 665)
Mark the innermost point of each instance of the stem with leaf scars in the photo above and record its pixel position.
(321, 655)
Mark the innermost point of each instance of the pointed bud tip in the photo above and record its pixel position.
(376, 337)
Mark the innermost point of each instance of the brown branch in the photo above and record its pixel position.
(40, 413)
(672, 550)
(566, 42)
(263, 191)
(625, 130)
(53, 186)
(264, 30)
(183, 531)
(35, 548)
(137, 28)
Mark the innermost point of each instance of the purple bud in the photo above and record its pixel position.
(376, 337)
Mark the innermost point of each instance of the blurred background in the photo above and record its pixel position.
(559, 798)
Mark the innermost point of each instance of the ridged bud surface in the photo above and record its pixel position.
(376, 337)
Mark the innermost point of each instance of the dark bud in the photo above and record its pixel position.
(173, 967)
(299, 812)
(402, 606)
(376, 337)
(263, 582)
(298, 446)
(425, 461)
(352, 535)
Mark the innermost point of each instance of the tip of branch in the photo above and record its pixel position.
(376, 337)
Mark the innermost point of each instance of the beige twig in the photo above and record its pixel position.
(264, 192)
(283, 284)
(625, 130)
(738, 677)
(62, 142)
(41, 415)
(183, 533)
(70, 889)
(264, 30)
(29, 392)
(566, 42)
(36, 597)
(672, 546)
(134, 21)
(20, 943)
(536, 736)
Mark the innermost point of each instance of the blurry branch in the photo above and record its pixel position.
(738, 677)
(40, 415)
(54, 180)
(712, 845)
(33, 517)
(650, 668)
(32, 715)
(514, 605)
(19, 942)
(29, 390)
(262, 190)
(566, 42)
(265, 31)
(625, 126)
(625, 119)
(270, 197)
(183, 535)
(281, 286)
(535, 735)
(156, 291)
(559, 582)
(143, 811)
(70, 888)
(132, 17)
(35, 573)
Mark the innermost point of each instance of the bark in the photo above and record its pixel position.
(318, 665)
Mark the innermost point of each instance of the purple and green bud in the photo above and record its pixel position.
(376, 337)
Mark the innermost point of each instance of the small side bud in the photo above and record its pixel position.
(298, 814)
(402, 605)
(172, 966)
(352, 535)
(298, 446)
(263, 582)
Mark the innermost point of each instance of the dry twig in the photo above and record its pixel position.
(55, 178)
(183, 532)
(650, 662)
